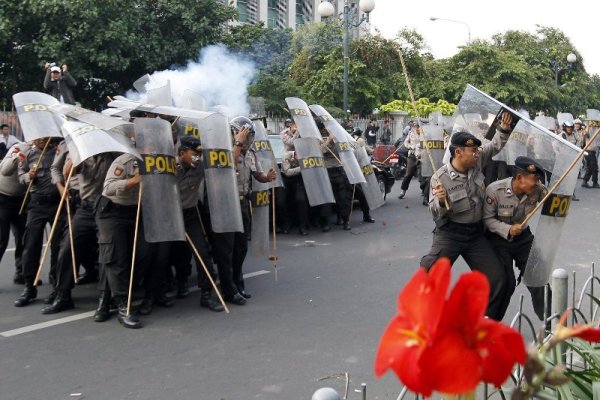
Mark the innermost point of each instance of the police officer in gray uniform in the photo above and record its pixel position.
(507, 203)
(459, 228)
(11, 197)
(41, 210)
(91, 174)
(115, 217)
(189, 176)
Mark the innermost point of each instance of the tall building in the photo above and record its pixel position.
(286, 13)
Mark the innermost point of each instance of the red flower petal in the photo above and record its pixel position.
(467, 302)
(500, 348)
(590, 334)
(451, 365)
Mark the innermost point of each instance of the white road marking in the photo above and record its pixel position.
(87, 314)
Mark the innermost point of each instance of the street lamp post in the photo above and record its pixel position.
(349, 18)
(557, 67)
(456, 22)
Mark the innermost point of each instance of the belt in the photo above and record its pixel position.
(45, 198)
(463, 229)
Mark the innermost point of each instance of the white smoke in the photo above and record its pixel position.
(219, 76)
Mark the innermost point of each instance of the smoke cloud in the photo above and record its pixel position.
(219, 76)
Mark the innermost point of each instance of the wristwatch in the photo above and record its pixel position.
(237, 143)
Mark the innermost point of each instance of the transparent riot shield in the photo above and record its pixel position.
(303, 118)
(432, 144)
(90, 117)
(314, 174)
(220, 176)
(35, 115)
(85, 141)
(260, 201)
(516, 146)
(160, 96)
(161, 202)
(371, 188)
(140, 83)
(193, 100)
(344, 150)
(264, 152)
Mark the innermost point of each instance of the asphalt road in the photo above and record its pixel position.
(324, 316)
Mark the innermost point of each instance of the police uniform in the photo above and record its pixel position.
(591, 161)
(290, 168)
(115, 218)
(189, 180)
(413, 144)
(41, 210)
(91, 174)
(459, 230)
(502, 209)
(11, 198)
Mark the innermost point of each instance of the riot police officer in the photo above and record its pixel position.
(507, 203)
(459, 226)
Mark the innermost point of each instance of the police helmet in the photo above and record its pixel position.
(568, 123)
(240, 122)
(578, 121)
(357, 131)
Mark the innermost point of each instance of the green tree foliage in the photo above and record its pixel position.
(107, 45)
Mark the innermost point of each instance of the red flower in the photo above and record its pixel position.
(469, 348)
(420, 307)
(585, 332)
(447, 346)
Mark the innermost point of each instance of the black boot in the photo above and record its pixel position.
(207, 301)
(130, 321)
(367, 218)
(147, 306)
(29, 293)
(103, 311)
(18, 278)
(62, 302)
(182, 289)
(51, 297)
(163, 300)
(346, 224)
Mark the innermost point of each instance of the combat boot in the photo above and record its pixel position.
(62, 302)
(130, 321)
(51, 297)
(346, 225)
(29, 293)
(103, 311)
(182, 289)
(207, 301)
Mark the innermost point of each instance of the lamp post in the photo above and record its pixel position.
(456, 22)
(557, 67)
(349, 18)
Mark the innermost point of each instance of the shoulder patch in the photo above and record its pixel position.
(490, 200)
(118, 171)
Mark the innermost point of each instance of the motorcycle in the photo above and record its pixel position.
(398, 162)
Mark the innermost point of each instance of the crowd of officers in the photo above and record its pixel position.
(103, 193)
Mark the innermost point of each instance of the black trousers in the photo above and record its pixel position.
(240, 246)
(517, 251)
(591, 169)
(11, 220)
(116, 227)
(362, 200)
(41, 210)
(479, 255)
(182, 252)
(297, 194)
(342, 190)
(85, 237)
(411, 171)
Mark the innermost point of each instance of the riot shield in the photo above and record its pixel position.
(220, 176)
(516, 145)
(140, 83)
(371, 188)
(36, 118)
(193, 100)
(160, 95)
(264, 151)
(84, 141)
(344, 150)
(593, 123)
(314, 174)
(260, 201)
(303, 118)
(161, 202)
(432, 142)
(543, 151)
(88, 116)
(157, 109)
(564, 117)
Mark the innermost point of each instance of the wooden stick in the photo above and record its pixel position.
(212, 282)
(414, 104)
(559, 181)
(31, 180)
(49, 241)
(135, 238)
(69, 222)
(274, 229)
